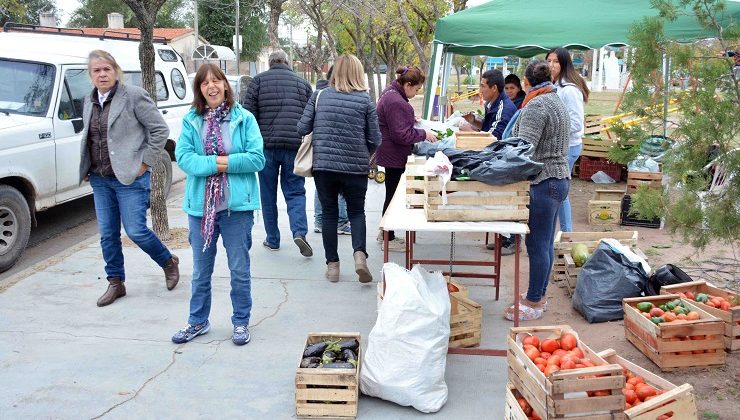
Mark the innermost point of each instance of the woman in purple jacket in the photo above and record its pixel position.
(396, 120)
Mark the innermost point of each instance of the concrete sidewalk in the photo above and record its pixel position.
(63, 357)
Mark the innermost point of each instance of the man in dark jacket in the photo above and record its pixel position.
(499, 108)
(277, 98)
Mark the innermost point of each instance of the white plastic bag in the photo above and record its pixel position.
(440, 165)
(602, 178)
(406, 351)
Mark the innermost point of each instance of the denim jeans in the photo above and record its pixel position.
(279, 164)
(353, 187)
(545, 199)
(235, 229)
(317, 210)
(116, 203)
(565, 215)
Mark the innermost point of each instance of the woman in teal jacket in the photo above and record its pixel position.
(220, 150)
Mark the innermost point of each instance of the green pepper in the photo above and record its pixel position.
(664, 307)
(657, 320)
(702, 297)
(644, 306)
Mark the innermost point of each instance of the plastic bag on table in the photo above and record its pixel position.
(406, 351)
(665, 275)
(613, 272)
(503, 162)
(426, 148)
(602, 178)
(440, 165)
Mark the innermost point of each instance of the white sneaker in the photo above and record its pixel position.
(395, 245)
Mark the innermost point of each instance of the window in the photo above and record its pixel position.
(26, 87)
(77, 84)
(178, 83)
(134, 78)
(167, 55)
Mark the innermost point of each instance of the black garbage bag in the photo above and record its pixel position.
(605, 279)
(502, 162)
(665, 275)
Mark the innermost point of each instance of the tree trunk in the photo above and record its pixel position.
(423, 61)
(276, 9)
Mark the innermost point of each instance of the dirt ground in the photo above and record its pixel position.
(717, 389)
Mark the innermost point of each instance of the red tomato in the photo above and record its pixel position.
(578, 352)
(568, 364)
(532, 353)
(550, 369)
(550, 345)
(629, 395)
(554, 360)
(545, 355)
(568, 342)
(533, 340)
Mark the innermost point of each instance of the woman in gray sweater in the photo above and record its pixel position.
(544, 122)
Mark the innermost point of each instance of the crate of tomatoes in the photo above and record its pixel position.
(560, 376)
(650, 397)
(517, 407)
(723, 304)
(673, 332)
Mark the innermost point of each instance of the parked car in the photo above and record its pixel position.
(43, 83)
(238, 83)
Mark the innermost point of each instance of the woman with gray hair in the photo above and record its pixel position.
(544, 122)
(123, 137)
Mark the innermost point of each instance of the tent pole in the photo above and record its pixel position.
(432, 79)
(446, 68)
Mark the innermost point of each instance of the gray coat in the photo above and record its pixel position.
(137, 133)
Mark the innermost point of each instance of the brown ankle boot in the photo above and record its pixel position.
(332, 271)
(172, 272)
(115, 290)
(361, 267)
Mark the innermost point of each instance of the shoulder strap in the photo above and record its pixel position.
(316, 104)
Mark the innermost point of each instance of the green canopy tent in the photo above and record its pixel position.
(527, 28)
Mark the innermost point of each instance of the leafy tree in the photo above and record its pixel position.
(216, 24)
(24, 11)
(94, 14)
(707, 120)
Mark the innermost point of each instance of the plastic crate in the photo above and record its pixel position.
(634, 220)
(589, 166)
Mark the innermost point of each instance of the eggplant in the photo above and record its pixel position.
(328, 357)
(313, 365)
(310, 360)
(314, 350)
(348, 355)
(338, 365)
(350, 343)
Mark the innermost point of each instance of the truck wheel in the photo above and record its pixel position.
(15, 226)
(167, 162)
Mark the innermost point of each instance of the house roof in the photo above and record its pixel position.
(168, 34)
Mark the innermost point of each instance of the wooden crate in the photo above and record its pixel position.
(564, 242)
(593, 124)
(473, 201)
(466, 316)
(605, 207)
(564, 393)
(676, 399)
(473, 140)
(659, 344)
(465, 322)
(414, 175)
(571, 273)
(595, 147)
(731, 318)
(512, 409)
(636, 178)
(327, 393)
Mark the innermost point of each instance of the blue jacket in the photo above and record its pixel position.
(246, 158)
(498, 115)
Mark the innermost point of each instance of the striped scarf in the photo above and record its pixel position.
(216, 184)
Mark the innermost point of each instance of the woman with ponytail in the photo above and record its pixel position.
(396, 120)
(573, 91)
(220, 150)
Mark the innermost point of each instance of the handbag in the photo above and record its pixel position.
(303, 163)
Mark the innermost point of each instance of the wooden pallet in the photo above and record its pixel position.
(564, 242)
(473, 140)
(659, 342)
(414, 175)
(563, 394)
(595, 147)
(473, 201)
(605, 208)
(571, 273)
(676, 399)
(327, 393)
(465, 322)
(651, 179)
(731, 318)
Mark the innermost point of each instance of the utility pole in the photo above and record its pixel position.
(197, 39)
(236, 44)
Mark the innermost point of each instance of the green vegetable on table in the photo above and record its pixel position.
(444, 134)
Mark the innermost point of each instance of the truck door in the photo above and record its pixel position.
(68, 127)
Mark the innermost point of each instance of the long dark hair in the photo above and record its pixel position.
(199, 101)
(568, 71)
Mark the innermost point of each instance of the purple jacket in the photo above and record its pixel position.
(396, 120)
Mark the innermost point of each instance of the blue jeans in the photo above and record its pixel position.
(545, 199)
(235, 229)
(317, 212)
(565, 216)
(279, 163)
(116, 203)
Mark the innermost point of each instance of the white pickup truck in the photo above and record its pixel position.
(43, 83)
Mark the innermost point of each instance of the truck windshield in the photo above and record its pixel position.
(26, 87)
